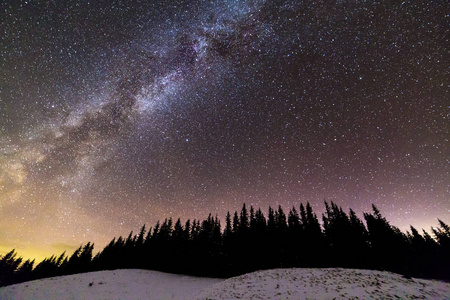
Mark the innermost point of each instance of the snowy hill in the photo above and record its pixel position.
(117, 284)
(325, 284)
(269, 284)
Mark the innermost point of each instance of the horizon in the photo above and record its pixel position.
(98, 247)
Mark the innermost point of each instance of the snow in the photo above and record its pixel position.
(268, 284)
(326, 284)
(117, 284)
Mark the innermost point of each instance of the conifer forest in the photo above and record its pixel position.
(249, 240)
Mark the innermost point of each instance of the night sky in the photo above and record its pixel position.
(118, 113)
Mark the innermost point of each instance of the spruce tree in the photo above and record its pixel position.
(9, 263)
(314, 243)
(293, 220)
(236, 224)
(187, 230)
(178, 232)
(295, 238)
(24, 272)
(228, 229)
(141, 236)
(244, 222)
(252, 217)
(388, 243)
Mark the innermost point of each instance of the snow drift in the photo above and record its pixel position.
(325, 284)
(268, 284)
(117, 284)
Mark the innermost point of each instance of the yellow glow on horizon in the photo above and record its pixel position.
(39, 254)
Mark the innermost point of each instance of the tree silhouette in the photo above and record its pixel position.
(8, 266)
(228, 229)
(442, 234)
(295, 236)
(346, 237)
(251, 242)
(314, 254)
(388, 243)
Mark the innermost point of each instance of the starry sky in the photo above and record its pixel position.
(118, 113)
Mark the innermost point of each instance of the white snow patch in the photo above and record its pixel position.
(269, 284)
(325, 284)
(117, 284)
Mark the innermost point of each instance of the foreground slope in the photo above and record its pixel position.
(116, 284)
(325, 284)
(269, 284)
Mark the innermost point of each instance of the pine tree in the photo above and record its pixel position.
(388, 243)
(261, 223)
(72, 264)
(228, 228)
(140, 238)
(315, 249)
(9, 263)
(24, 272)
(195, 229)
(344, 237)
(47, 268)
(84, 259)
(61, 259)
(293, 220)
(295, 238)
(260, 250)
(281, 223)
(148, 237)
(187, 230)
(303, 217)
(156, 230)
(442, 234)
(359, 241)
(178, 231)
(252, 217)
(236, 224)
(244, 223)
(166, 230)
(273, 246)
(229, 245)
(271, 223)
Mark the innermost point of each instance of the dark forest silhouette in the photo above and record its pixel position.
(249, 241)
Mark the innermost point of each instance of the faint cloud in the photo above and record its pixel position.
(61, 247)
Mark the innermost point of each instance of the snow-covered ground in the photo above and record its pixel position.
(117, 284)
(325, 284)
(269, 284)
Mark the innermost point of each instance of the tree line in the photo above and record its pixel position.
(251, 241)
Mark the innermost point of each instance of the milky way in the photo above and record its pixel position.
(122, 113)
